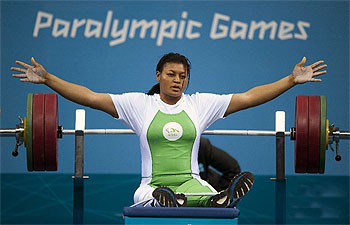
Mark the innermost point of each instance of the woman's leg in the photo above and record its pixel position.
(148, 196)
(143, 192)
(196, 185)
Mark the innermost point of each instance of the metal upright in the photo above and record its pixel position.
(78, 178)
(280, 179)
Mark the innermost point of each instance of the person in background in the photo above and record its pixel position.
(225, 165)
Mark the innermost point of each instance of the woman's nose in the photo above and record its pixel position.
(177, 78)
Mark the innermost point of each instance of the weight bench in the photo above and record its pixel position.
(180, 215)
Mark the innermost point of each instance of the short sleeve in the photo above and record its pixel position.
(131, 109)
(211, 107)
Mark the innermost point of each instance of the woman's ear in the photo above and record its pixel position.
(158, 76)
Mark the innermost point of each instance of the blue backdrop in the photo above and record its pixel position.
(233, 46)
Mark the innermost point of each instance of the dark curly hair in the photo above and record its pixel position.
(171, 58)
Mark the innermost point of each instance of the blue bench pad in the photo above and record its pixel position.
(184, 212)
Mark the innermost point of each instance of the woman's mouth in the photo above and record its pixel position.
(176, 88)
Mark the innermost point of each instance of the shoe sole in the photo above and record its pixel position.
(242, 183)
(166, 197)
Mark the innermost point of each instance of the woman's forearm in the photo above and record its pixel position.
(259, 95)
(81, 95)
(73, 92)
(264, 93)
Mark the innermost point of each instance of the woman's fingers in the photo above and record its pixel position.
(22, 75)
(23, 64)
(302, 62)
(317, 63)
(34, 62)
(316, 80)
(18, 69)
(319, 73)
(319, 68)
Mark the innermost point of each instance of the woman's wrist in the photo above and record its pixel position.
(292, 80)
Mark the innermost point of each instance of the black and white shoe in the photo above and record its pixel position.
(167, 198)
(237, 189)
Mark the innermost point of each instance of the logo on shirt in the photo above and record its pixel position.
(172, 131)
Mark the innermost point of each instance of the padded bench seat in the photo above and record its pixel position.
(181, 215)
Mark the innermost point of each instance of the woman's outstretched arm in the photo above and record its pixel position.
(264, 93)
(73, 92)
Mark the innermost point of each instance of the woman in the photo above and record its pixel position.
(169, 125)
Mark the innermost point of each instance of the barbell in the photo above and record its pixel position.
(39, 131)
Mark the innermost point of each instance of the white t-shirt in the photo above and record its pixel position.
(176, 127)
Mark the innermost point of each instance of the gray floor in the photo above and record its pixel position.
(48, 199)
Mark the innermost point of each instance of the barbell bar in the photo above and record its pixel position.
(11, 132)
(39, 132)
(207, 132)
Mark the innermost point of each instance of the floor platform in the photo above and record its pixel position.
(47, 198)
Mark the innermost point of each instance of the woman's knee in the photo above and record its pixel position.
(143, 192)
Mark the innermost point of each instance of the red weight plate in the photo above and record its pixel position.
(301, 134)
(314, 134)
(51, 125)
(38, 132)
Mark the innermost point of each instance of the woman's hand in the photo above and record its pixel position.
(35, 74)
(303, 74)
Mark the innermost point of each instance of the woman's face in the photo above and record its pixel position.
(173, 80)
